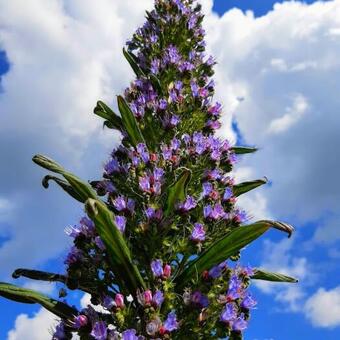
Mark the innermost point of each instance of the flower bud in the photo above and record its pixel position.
(167, 271)
(119, 300)
(80, 321)
(147, 297)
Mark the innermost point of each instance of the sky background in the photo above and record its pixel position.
(278, 77)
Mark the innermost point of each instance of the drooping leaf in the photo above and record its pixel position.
(244, 187)
(177, 191)
(116, 247)
(113, 121)
(38, 275)
(129, 121)
(240, 150)
(261, 274)
(133, 63)
(83, 190)
(63, 184)
(226, 247)
(23, 295)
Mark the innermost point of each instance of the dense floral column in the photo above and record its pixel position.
(159, 252)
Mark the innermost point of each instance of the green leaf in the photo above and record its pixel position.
(240, 150)
(156, 84)
(116, 247)
(82, 190)
(129, 122)
(261, 274)
(177, 191)
(244, 187)
(133, 63)
(63, 184)
(226, 247)
(113, 121)
(23, 295)
(38, 275)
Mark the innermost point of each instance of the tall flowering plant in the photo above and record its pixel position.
(159, 248)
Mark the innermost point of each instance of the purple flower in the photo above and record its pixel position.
(235, 289)
(192, 22)
(207, 210)
(189, 203)
(99, 243)
(229, 313)
(198, 233)
(130, 205)
(144, 183)
(59, 333)
(173, 96)
(247, 271)
(108, 302)
(218, 212)
(130, 334)
(194, 88)
(155, 65)
(150, 213)
(174, 120)
(213, 124)
(200, 299)
(99, 330)
(240, 216)
(112, 166)
(186, 138)
(178, 85)
(215, 110)
(158, 174)
(240, 324)
(248, 302)
(166, 152)
(171, 323)
(143, 152)
(214, 174)
(228, 194)
(215, 272)
(120, 203)
(80, 321)
(207, 188)
(74, 256)
(120, 222)
(153, 327)
(158, 298)
(173, 54)
(163, 104)
(175, 144)
(157, 268)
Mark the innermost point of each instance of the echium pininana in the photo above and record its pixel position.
(159, 252)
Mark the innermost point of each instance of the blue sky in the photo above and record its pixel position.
(51, 77)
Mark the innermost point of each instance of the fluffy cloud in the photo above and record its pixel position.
(323, 308)
(64, 56)
(34, 328)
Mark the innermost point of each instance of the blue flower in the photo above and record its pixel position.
(229, 313)
(157, 268)
(130, 334)
(99, 330)
(171, 323)
(120, 222)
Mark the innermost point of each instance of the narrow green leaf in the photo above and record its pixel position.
(240, 150)
(177, 191)
(130, 122)
(226, 247)
(133, 63)
(82, 190)
(22, 295)
(242, 188)
(113, 121)
(261, 274)
(63, 184)
(116, 247)
(38, 275)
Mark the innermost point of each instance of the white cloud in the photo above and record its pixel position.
(42, 287)
(323, 308)
(34, 328)
(278, 258)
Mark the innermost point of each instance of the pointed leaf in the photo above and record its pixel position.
(38, 275)
(261, 274)
(242, 188)
(63, 184)
(177, 191)
(133, 63)
(113, 121)
(83, 190)
(22, 295)
(226, 247)
(130, 122)
(116, 247)
(240, 150)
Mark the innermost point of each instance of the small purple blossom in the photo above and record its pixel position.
(240, 324)
(228, 194)
(194, 89)
(144, 183)
(207, 189)
(129, 334)
(158, 298)
(163, 104)
(174, 120)
(73, 256)
(189, 204)
(120, 222)
(229, 313)
(171, 323)
(99, 330)
(108, 302)
(99, 243)
(198, 233)
(248, 302)
(120, 203)
(80, 321)
(157, 268)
